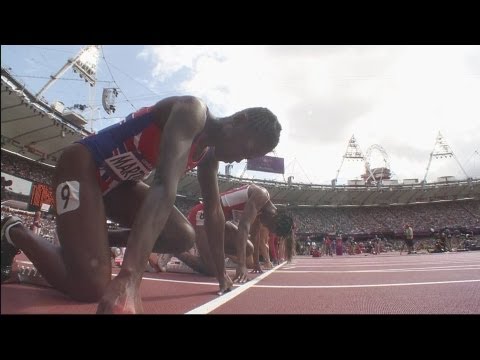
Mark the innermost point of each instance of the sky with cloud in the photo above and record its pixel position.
(397, 97)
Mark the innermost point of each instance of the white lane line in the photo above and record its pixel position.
(453, 268)
(324, 265)
(183, 282)
(212, 305)
(361, 286)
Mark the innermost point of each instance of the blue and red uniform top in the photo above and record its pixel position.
(128, 150)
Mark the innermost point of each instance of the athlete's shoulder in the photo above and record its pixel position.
(181, 101)
(257, 190)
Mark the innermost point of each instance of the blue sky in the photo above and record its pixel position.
(398, 97)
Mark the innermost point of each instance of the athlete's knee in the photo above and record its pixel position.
(188, 239)
(89, 289)
(182, 241)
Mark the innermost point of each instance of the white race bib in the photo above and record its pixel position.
(67, 196)
(200, 218)
(127, 167)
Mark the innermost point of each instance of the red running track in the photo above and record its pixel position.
(384, 284)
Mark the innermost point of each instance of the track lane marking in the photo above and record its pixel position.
(363, 285)
(212, 305)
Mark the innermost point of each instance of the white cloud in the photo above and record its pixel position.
(396, 96)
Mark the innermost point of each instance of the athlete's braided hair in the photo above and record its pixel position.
(263, 123)
(284, 228)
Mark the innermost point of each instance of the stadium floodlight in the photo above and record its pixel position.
(84, 63)
(353, 152)
(442, 150)
(108, 99)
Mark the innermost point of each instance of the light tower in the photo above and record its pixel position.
(85, 64)
(441, 150)
(353, 152)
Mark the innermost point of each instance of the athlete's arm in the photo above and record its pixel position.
(186, 120)
(255, 202)
(214, 217)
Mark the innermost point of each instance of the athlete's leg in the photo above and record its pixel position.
(230, 244)
(264, 250)
(272, 249)
(255, 237)
(203, 263)
(80, 266)
(122, 205)
(231, 231)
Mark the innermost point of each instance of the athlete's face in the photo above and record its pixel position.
(238, 143)
(235, 150)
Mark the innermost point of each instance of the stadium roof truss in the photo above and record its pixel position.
(32, 127)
